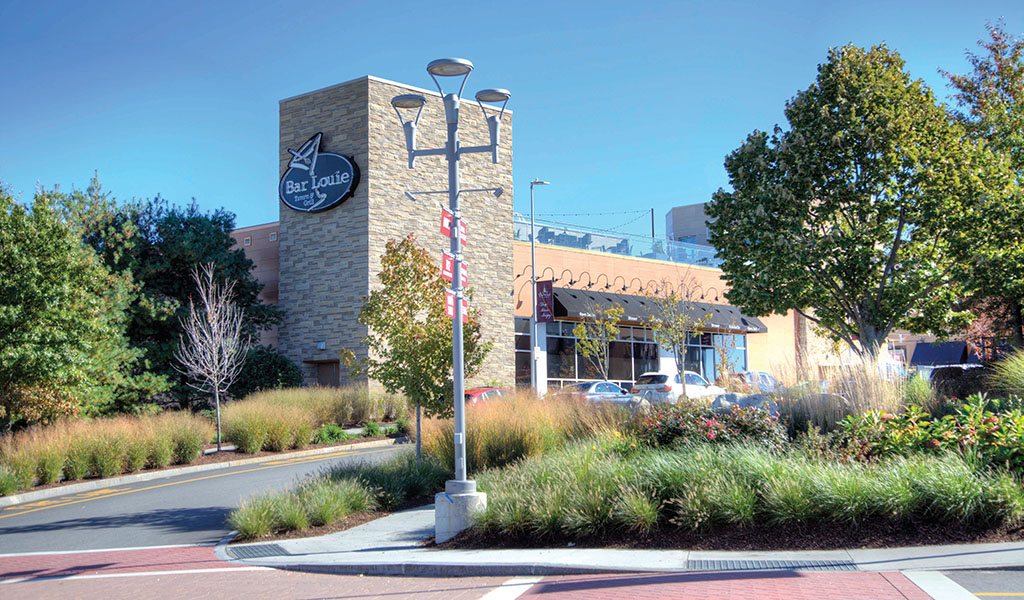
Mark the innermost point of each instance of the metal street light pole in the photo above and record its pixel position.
(453, 151)
(534, 376)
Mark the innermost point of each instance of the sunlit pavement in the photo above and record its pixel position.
(194, 572)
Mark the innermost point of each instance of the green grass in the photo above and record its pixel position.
(315, 502)
(590, 489)
(1008, 375)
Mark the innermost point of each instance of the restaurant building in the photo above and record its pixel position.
(344, 177)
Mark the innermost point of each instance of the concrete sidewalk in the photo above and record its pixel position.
(393, 545)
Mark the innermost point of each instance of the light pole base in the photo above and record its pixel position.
(452, 511)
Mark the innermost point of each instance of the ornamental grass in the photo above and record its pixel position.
(501, 432)
(591, 488)
(315, 502)
(73, 450)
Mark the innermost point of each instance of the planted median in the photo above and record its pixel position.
(271, 421)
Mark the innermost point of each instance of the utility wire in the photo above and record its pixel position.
(616, 228)
(600, 214)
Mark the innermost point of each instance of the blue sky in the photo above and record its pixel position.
(621, 105)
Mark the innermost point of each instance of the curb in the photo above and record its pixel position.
(95, 484)
(408, 569)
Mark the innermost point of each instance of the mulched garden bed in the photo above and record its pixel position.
(817, 537)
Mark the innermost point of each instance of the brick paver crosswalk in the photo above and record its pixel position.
(775, 585)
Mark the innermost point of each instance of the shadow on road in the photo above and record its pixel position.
(179, 520)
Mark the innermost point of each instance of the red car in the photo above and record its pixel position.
(485, 394)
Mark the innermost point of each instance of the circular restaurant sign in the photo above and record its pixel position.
(315, 180)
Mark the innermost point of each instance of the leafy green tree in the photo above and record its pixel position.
(595, 335)
(851, 216)
(265, 369)
(409, 342)
(991, 98)
(159, 245)
(61, 316)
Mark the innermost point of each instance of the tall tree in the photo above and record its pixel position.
(410, 337)
(851, 216)
(595, 336)
(61, 316)
(159, 245)
(991, 99)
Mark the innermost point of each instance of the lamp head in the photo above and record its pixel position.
(408, 101)
(493, 95)
(539, 182)
(498, 192)
(449, 67)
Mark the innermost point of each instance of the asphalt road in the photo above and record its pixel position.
(186, 509)
(994, 584)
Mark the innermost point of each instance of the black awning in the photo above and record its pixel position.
(580, 304)
(942, 353)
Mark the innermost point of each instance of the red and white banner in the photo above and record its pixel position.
(449, 306)
(448, 269)
(446, 226)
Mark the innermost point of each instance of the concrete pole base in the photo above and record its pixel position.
(451, 513)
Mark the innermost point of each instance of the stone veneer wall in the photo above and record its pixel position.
(324, 259)
(330, 260)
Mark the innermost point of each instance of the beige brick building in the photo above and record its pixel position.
(328, 261)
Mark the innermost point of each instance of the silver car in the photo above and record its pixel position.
(602, 392)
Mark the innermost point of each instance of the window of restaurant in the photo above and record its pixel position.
(633, 353)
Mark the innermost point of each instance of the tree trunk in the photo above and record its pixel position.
(1018, 323)
(418, 436)
(216, 401)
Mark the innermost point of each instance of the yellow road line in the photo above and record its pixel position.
(110, 493)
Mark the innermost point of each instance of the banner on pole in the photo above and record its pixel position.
(446, 226)
(449, 306)
(448, 269)
(545, 302)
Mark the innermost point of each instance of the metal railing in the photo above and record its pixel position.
(565, 235)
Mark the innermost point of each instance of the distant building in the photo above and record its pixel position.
(687, 224)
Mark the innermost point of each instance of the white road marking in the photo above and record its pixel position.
(138, 574)
(51, 552)
(512, 589)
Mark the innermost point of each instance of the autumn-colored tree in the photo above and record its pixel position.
(991, 99)
(409, 339)
(854, 216)
(593, 336)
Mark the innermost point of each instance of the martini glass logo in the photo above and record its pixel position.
(315, 180)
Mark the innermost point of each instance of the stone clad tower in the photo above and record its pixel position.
(329, 260)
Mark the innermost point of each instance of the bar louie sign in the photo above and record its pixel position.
(316, 180)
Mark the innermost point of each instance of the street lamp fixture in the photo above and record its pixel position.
(534, 349)
(460, 497)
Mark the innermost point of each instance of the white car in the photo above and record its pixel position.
(663, 388)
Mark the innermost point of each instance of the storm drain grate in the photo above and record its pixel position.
(256, 551)
(768, 565)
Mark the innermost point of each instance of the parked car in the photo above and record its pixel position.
(754, 381)
(663, 388)
(486, 394)
(602, 392)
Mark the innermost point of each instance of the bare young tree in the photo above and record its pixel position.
(213, 347)
(595, 336)
(677, 315)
